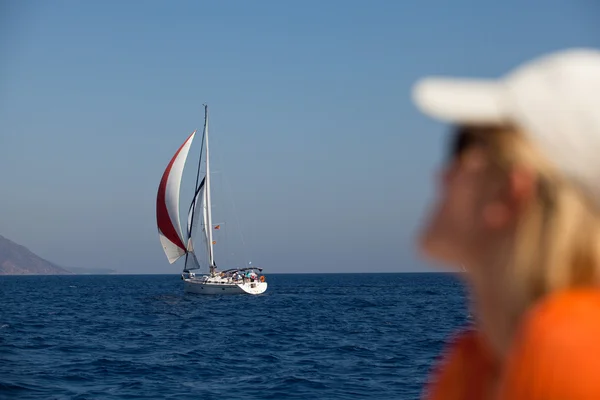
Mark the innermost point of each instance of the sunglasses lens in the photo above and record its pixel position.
(460, 140)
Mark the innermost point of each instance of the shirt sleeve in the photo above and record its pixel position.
(442, 383)
(460, 372)
(556, 354)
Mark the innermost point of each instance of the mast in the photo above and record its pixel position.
(207, 202)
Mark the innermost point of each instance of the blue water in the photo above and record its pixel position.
(329, 336)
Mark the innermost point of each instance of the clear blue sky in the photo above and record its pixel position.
(331, 166)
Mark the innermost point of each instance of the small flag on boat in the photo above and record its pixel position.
(217, 226)
(214, 242)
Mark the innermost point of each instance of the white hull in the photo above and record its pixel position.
(200, 287)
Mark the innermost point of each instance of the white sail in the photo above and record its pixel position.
(167, 204)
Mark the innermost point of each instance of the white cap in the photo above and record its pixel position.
(555, 99)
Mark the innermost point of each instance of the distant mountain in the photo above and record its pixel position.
(18, 260)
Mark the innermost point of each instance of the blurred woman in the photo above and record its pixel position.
(519, 207)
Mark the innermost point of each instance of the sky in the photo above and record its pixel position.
(330, 167)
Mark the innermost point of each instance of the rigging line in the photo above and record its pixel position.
(198, 189)
(237, 218)
(224, 234)
(224, 178)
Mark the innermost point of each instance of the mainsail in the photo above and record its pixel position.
(202, 200)
(167, 204)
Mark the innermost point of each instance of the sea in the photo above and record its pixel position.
(310, 336)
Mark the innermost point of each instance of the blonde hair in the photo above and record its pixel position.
(557, 242)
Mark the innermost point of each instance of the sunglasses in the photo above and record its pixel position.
(462, 139)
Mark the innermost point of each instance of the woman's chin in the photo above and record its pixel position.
(430, 249)
(438, 251)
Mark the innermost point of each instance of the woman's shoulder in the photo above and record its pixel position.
(568, 311)
(563, 325)
(555, 352)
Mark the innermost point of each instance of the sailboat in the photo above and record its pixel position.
(230, 281)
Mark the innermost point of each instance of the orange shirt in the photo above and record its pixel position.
(555, 356)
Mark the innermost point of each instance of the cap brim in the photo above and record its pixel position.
(461, 101)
